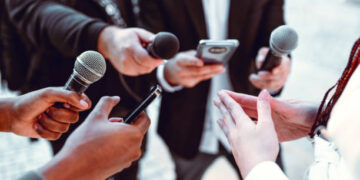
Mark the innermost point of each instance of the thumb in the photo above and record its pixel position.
(144, 36)
(260, 58)
(264, 108)
(104, 107)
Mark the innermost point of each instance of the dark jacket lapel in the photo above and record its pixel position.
(237, 17)
(196, 12)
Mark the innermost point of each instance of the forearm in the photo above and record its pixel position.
(6, 114)
(50, 24)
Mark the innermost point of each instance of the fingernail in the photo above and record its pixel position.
(262, 73)
(40, 116)
(261, 58)
(116, 97)
(67, 106)
(36, 127)
(84, 104)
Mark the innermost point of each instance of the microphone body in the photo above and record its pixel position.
(76, 83)
(89, 67)
(283, 41)
(164, 46)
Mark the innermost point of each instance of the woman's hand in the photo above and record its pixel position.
(252, 143)
(292, 119)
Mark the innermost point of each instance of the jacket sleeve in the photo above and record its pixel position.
(151, 16)
(46, 23)
(266, 170)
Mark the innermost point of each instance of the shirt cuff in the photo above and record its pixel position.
(264, 170)
(163, 83)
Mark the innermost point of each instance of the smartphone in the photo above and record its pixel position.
(154, 93)
(216, 51)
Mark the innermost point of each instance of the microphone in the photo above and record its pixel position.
(89, 67)
(283, 41)
(164, 46)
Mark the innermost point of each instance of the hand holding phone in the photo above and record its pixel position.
(216, 51)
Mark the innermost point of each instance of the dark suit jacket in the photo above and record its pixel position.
(182, 113)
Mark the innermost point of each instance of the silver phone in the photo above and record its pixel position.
(216, 51)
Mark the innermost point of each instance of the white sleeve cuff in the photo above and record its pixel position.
(264, 170)
(163, 83)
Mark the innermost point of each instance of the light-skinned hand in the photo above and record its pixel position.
(187, 70)
(274, 80)
(293, 119)
(251, 143)
(124, 49)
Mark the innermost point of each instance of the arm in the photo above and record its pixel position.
(50, 24)
(265, 170)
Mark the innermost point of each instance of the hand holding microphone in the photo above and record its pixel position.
(274, 63)
(124, 49)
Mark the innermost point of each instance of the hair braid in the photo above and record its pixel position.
(323, 114)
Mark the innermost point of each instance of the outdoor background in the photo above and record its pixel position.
(327, 30)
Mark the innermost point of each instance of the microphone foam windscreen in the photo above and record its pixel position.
(90, 65)
(165, 45)
(283, 40)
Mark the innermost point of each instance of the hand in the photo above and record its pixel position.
(293, 119)
(274, 80)
(123, 48)
(99, 147)
(251, 143)
(187, 70)
(32, 114)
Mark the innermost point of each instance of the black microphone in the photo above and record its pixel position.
(283, 41)
(89, 67)
(164, 46)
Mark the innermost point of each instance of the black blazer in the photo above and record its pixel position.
(182, 113)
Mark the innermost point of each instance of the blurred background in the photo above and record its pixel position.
(327, 31)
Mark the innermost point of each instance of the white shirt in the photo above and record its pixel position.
(216, 13)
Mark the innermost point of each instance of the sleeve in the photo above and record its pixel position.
(51, 24)
(151, 16)
(163, 83)
(266, 170)
(32, 175)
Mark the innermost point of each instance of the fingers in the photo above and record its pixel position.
(227, 121)
(63, 115)
(208, 70)
(223, 127)
(144, 36)
(73, 108)
(53, 95)
(243, 99)
(104, 107)
(264, 109)
(46, 134)
(260, 58)
(235, 110)
(143, 123)
(189, 60)
(52, 125)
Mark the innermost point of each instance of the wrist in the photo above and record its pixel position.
(167, 76)
(7, 114)
(105, 37)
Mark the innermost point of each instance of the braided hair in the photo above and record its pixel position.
(323, 114)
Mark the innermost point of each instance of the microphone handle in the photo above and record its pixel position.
(270, 62)
(73, 84)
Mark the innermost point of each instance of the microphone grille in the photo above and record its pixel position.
(165, 45)
(283, 40)
(90, 65)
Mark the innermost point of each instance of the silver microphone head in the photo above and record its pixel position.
(91, 66)
(283, 40)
